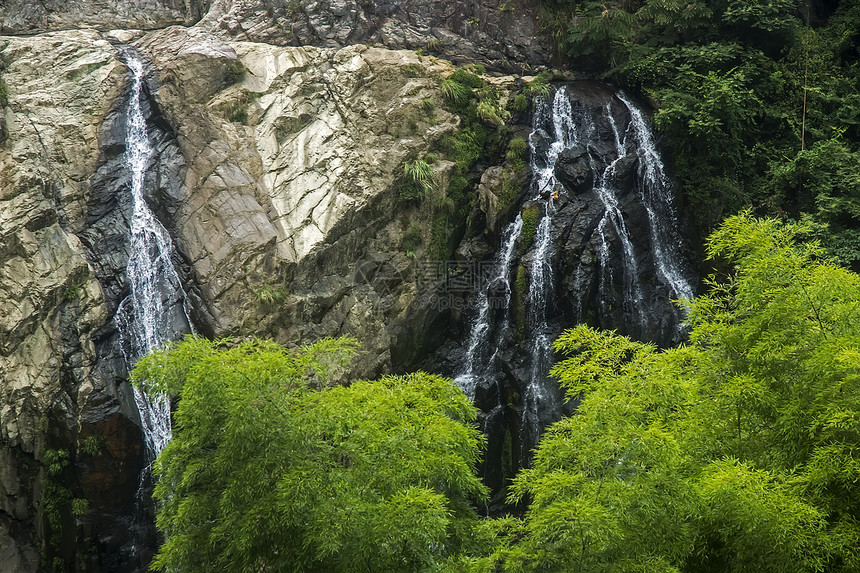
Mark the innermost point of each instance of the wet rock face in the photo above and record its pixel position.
(617, 255)
(610, 285)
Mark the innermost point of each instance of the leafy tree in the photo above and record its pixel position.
(269, 469)
(737, 452)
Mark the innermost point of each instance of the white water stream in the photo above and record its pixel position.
(146, 318)
(558, 127)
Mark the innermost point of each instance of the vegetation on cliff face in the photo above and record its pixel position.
(735, 452)
(756, 100)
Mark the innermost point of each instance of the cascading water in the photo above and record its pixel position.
(480, 362)
(488, 329)
(656, 193)
(154, 311)
(605, 252)
(541, 395)
(613, 217)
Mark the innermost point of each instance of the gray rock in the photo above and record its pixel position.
(502, 35)
(28, 17)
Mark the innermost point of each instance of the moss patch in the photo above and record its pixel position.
(530, 217)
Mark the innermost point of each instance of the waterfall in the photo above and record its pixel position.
(478, 364)
(656, 194)
(487, 330)
(540, 394)
(609, 241)
(154, 311)
(613, 217)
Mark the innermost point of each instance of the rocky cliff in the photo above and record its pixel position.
(276, 172)
(281, 131)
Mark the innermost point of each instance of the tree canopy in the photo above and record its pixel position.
(270, 469)
(736, 452)
(739, 451)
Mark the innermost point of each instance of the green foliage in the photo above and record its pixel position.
(530, 217)
(737, 452)
(539, 86)
(762, 16)
(55, 461)
(440, 232)
(4, 94)
(266, 473)
(428, 104)
(521, 285)
(93, 445)
(519, 104)
(474, 70)
(269, 295)
(72, 293)
(824, 180)
(510, 191)
(516, 153)
(57, 503)
(419, 180)
(517, 148)
(492, 114)
(80, 506)
(481, 135)
(468, 78)
(455, 92)
(419, 171)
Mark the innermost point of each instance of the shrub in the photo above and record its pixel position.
(491, 114)
(270, 295)
(455, 92)
(519, 104)
(419, 172)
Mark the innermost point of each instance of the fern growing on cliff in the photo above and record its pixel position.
(420, 173)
